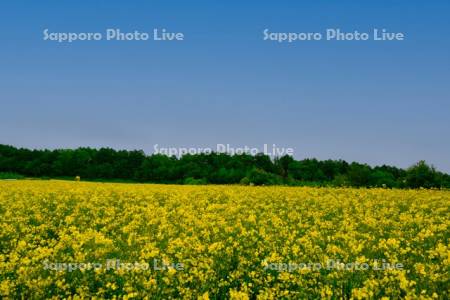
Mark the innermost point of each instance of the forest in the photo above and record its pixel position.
(106, 164)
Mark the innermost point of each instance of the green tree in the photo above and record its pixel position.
(422, 175)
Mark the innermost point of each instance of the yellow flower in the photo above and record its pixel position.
(236, 242)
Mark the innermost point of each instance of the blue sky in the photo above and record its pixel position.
(367, 101)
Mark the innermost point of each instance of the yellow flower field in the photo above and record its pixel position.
(66, 239)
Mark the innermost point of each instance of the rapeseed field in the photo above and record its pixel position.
(62, 239)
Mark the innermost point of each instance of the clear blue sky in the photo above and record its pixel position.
(373, 102)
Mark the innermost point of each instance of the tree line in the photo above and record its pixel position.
(215, 168)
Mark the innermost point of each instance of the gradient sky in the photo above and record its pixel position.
(373, 102)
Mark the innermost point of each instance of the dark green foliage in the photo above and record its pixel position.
(106, 164)
(260, 177)
(422, 175)
(9, 175)
(358, 174)
(193, 181)
(245, 181)
(379, 178)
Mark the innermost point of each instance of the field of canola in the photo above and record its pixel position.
(74, 240)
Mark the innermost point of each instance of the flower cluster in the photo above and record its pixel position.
(215, 242)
